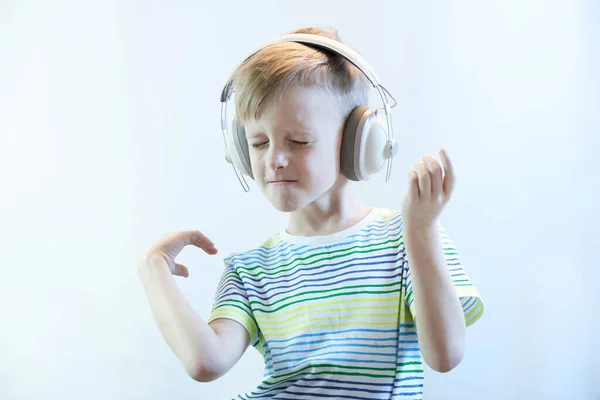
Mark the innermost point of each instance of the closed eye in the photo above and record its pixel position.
(258, 145)
(295, 142)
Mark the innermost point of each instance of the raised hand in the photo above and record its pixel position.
(430, 187)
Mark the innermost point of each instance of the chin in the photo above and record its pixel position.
(285, 206)
(293, 201)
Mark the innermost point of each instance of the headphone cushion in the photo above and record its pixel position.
(240, 146)
(350, 143)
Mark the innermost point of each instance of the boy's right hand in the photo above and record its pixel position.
(165, 250)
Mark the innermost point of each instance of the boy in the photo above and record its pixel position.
(349, 300)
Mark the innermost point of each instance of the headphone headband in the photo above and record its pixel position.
(320, 41)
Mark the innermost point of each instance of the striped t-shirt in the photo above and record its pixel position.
(333, 315)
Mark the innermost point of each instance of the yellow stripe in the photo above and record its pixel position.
(237, 315)
(467, 291)
(475, 313)
(316, 307)
(311, 327)
(263, 324)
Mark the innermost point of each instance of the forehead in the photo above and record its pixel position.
(299, 108)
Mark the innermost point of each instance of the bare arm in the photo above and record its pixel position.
(439, 319)
(206, 351)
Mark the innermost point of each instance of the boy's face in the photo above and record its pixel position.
(295, 148)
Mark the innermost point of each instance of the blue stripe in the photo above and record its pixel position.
(276, 280)
(302, 284)
(321, 334)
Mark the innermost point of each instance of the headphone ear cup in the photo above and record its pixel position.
(348, 148)
(238, 145)
(363, 144)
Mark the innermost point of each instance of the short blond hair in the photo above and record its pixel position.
(264, 77)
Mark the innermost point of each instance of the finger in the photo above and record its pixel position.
(424, 180)
(450, 173)
(413, 184)
(200, 240)
(435, 171)
(210, 249)
(181, 270)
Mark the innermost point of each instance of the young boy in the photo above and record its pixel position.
(349, 300)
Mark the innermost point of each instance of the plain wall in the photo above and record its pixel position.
(110, 138)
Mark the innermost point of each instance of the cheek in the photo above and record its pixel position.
(256, 159)
(322, 165)
(257, 167)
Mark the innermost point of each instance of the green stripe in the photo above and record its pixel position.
(409, 363)
(470, 303)
(308, 367)
(329, 372)
(327, 256)
(228, 274)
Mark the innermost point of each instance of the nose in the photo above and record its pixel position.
(278, 158)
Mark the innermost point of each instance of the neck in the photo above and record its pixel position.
(335, 211)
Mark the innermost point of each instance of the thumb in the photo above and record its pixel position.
(181, 270)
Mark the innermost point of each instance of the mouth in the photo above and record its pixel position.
(282, 181)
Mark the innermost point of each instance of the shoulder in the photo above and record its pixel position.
(386, 214)
(262, 249)
(386, 218)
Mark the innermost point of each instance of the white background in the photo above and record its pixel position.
(110, 138)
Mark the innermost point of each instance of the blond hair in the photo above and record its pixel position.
(264, 77)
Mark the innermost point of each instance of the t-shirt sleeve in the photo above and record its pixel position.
(231, 302)
(470, 299)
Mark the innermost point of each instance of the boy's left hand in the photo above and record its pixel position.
(429, 189)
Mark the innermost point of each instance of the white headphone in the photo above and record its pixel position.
(367, 141)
